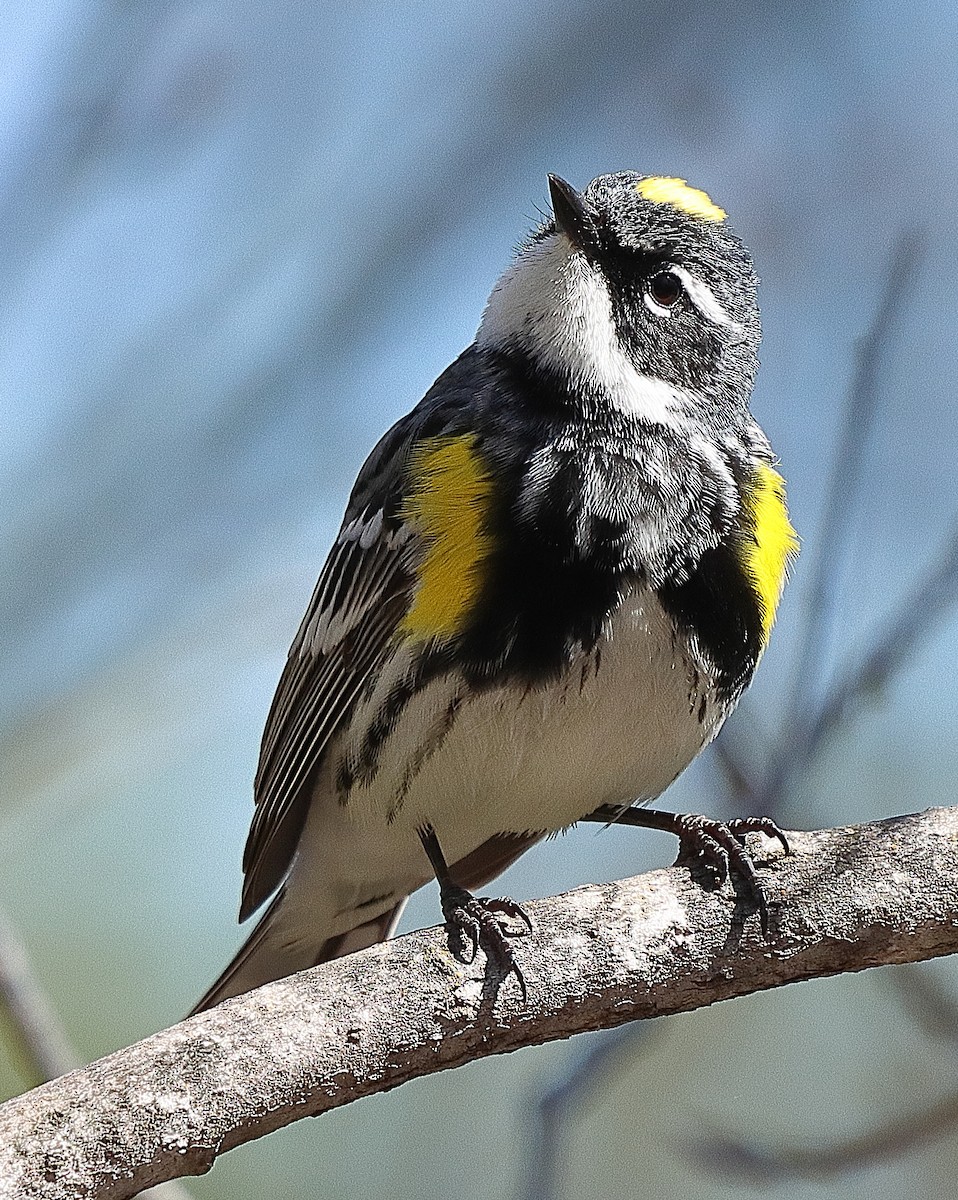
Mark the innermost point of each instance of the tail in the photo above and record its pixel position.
(267, 954)
(280, 946)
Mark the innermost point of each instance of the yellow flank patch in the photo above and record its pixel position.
(774, 542)
(448, 502)
(661, 189)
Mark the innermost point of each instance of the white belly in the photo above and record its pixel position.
(617, 729)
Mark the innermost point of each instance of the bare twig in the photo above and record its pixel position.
(601, 956)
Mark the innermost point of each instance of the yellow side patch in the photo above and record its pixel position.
(774, 543)
(661, 189)
(448, 502)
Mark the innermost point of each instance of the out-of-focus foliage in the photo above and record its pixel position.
(238, 241)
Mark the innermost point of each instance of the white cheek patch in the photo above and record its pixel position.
(555, 305)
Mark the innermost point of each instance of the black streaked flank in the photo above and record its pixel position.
(362, 768)
(433, 741)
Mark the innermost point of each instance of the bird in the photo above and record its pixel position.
(554, 579)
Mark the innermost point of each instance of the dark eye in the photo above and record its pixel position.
(664, 288)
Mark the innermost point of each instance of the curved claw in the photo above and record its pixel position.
(479, 919)
(466, 929)
(722, 845)
(509, 908)
(740, 826)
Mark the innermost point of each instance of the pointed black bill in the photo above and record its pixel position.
(572, 214)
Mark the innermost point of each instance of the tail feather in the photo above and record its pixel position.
(270, 952)
(378, 929)
(266, 955)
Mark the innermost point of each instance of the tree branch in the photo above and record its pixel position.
(661, 943)
(40, 1038)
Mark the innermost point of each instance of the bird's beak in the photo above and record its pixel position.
(573, 216)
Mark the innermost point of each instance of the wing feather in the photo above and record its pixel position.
(362, 594)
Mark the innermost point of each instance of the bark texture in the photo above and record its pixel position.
(661, 943)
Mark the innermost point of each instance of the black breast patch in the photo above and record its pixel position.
(717, 607)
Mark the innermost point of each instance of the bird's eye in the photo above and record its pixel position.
(664, 288)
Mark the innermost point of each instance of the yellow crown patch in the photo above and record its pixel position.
(662, 189)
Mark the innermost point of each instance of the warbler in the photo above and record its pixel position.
(554, 579)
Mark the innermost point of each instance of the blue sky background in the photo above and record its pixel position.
(239, 241)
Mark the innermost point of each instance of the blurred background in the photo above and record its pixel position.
(240, 240)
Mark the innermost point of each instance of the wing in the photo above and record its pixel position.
(363, 592)
(366, 589)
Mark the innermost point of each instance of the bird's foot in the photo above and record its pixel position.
(718, 844)
(721, 845)
(480, 922)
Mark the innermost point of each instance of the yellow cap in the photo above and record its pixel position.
(662, 189)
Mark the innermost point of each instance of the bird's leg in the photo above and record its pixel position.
(719, 843)
(476, 921)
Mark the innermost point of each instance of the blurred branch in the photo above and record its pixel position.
(40, 1039)
(935, 1010)
(933, 1006)
(831, 544)
(749, 1162)
(846, 899)
(845, 477)
(891, 651)
(606, 1055)
(730, 755)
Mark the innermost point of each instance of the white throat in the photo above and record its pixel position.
(553, 304)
